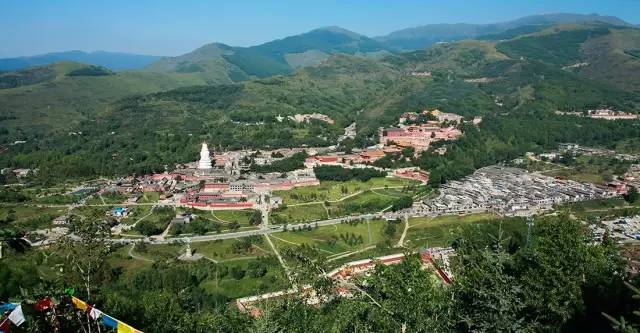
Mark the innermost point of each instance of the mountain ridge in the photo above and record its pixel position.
(425, 35)
(111, 60)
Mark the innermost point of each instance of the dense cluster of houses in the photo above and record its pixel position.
(508, 191)
(609, 114)
(305, 118)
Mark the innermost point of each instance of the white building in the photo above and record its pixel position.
(205, 158)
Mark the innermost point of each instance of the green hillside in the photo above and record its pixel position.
(144, 132)
(221, 63)
(600, 52)
(58, 97)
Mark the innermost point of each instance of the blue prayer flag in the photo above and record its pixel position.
(109, 321)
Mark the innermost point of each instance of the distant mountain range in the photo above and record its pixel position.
(112, 60)
(231, 64)
(426, 35)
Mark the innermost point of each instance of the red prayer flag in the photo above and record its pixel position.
(5, 325)
(43, 304)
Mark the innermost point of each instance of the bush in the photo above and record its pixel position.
(237, 272)
(257, 269)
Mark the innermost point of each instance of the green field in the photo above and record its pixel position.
(590, 169)
(367, 202)
(327, 239)
(441, 231)
(150, 197)
(273, 280)
(227, 216)
(224, 284)
(29, 217)
(299, 214)
(333, 190)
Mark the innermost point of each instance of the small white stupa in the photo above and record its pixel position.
(205, 158)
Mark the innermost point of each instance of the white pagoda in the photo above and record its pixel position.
(205, 158)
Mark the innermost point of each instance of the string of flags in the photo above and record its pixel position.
(17, 318)
(107, 320)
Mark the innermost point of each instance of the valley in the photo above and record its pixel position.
(442, 178)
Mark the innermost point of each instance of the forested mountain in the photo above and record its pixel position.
(505, 82)
(276, 57)
(522, 79)
(426, 35)
(111, 60)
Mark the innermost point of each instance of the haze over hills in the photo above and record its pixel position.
(423, 36)
(111, 60)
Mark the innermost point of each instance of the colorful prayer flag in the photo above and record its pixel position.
(44, 304)
(80, 304)
(7, 307)
(124, 328)
(95, 313)
(16, 316)
(109, 321)
(5, 325)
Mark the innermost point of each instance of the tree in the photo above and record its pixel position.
(408, 152)
(85, 251)
(632, 195)
(551, 272)
(486, 297)
(237, 272)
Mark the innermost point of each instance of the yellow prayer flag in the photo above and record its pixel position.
(124, 328)
(81, 305)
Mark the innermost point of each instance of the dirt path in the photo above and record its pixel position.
(135, 256)
(277, 253)
(347, 254)
(404, 233)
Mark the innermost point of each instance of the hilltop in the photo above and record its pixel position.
(281, 56)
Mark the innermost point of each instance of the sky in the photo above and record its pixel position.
(169, 28)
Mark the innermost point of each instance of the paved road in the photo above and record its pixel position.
(272, 229)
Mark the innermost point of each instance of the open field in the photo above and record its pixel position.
(231, 287)
(150, 197)
(299, 214)
(336, 239)
(29, 217)
(227, 216)
(440, 231)
(224, 283)
(590, 169)
(367, 202)
(333, 190)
